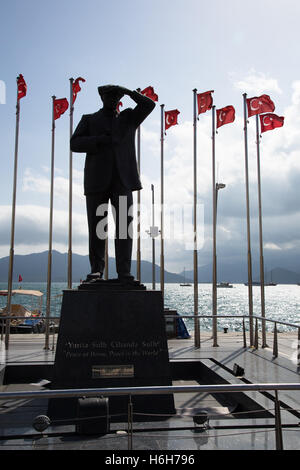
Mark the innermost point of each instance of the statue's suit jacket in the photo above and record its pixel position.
(109, 139)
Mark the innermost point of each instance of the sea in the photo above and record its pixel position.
(282, 302)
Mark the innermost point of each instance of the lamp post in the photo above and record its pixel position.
(218, 186)
(153, 232)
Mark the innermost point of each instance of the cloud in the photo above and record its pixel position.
(40, 184)
(272, 246)
(32, 227)
(257, 83)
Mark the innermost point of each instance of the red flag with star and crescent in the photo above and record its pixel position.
(171, 118)
(118, 106)
(76, 87)
(260, 104)
(60, 106)
(270, 121)
(204, 101)
(22, 87)
(149, 92)
(225, 115)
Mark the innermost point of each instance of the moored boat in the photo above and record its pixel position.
(32, 321)
(185, 284)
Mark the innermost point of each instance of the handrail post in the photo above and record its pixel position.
(275, 342)
(256, 335)
(244, 334)
(298, 349)
(278, 428)
(264, 334)
(2, 330)
(130, 417)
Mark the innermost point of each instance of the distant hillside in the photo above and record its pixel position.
(283, 276)
(33, 268)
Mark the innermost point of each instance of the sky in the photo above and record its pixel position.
(227, 46)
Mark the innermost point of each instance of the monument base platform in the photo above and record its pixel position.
(112, 338)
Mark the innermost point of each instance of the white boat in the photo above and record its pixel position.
(185, 284)
(32, 321)
(225, 284)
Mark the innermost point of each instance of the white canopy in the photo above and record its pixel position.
(36, 293)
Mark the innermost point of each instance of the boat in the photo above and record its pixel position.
(225, 284)
(257, 283)
(185, 284)
(33, 320)
(271, 283)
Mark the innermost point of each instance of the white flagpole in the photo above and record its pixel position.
(138, 235)
(70, 188)
(250, 294)
(262, 274)
(12, 233)
(214, 286)
(162, 257)
(48, 301)
(106, 272)
(197, 342)
(138, 252)
(153, 239)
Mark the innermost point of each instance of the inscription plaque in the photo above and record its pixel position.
(112, 371)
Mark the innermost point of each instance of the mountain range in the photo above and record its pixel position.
(33, 268)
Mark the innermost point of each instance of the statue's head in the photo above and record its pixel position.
(110, 95)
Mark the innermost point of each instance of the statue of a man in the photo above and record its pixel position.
(108, 139)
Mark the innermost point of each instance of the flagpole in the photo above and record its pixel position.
(195, 259)
(153, 239)
(70, 188)
(106, 273)
(250, 294)
(162, 257)
(48, 301)
(12, 233)
(261, 259)
(214, 289)
(138, 253)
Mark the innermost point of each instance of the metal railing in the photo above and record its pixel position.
(197, 340)
(154, 390)
(46, 322)
(256, 334)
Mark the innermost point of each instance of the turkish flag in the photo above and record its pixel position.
(171, 118)
(225, 115)
(118, 106)
(270, 121)
(149, 91)
(22, 87)
(60, 106)
(205, 101)
(76, 87)
(260, 104)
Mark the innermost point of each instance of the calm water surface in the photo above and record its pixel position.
(282, 301)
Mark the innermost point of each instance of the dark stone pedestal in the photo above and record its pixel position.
(112, 338)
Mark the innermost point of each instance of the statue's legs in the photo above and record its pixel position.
(96, 204)
(96, 243)
(122, 212)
